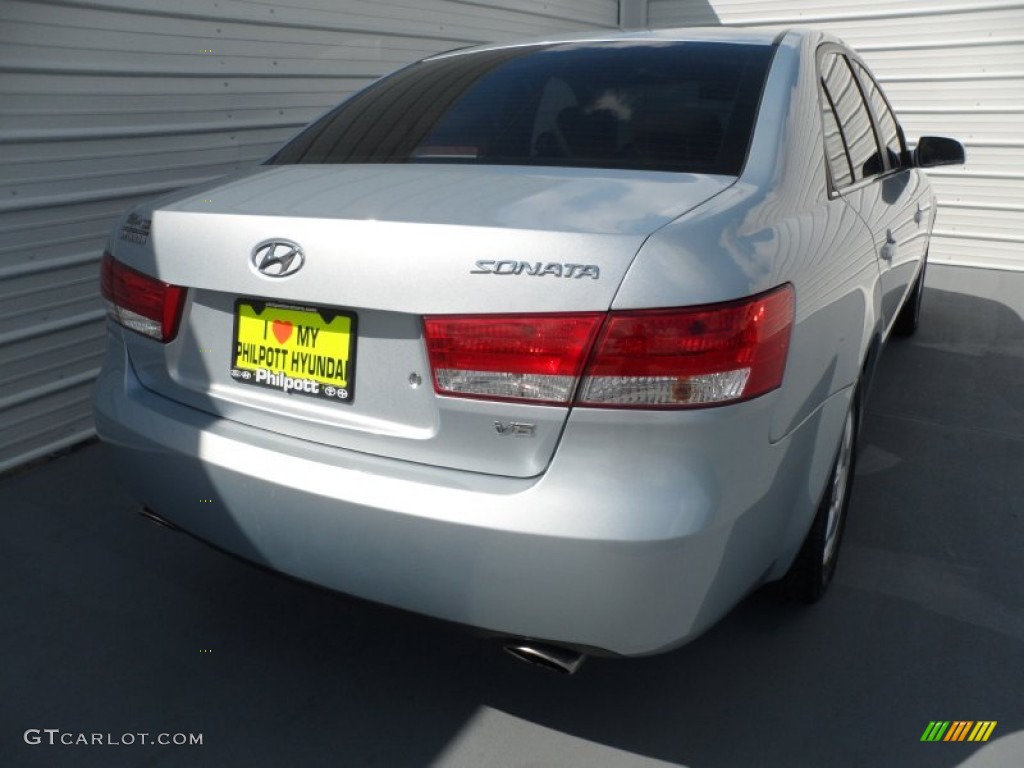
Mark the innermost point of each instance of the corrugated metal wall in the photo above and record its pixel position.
(950, 67)
(103, 102)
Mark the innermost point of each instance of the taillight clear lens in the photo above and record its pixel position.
(510, 357)
(692, 356)
(139, 302)
(665, 358)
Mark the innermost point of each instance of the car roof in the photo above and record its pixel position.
(747, 35)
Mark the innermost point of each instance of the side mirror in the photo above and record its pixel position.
(938, 150)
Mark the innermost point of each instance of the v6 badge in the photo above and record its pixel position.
(515, 428)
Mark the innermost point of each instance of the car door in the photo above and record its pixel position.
(906, 190)
(870, 168)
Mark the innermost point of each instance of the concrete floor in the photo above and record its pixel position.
(113, 626)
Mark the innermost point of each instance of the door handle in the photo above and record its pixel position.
(888, 251)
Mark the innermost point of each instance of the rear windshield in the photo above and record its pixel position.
(664, 106)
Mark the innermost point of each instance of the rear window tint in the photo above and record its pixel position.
(666, 106)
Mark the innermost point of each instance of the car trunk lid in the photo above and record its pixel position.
(382, 248)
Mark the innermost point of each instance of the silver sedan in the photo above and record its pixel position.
(564, 341)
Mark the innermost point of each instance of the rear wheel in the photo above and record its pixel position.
(812, 571)
(910, 314)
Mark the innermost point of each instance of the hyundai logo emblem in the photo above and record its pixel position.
(277, 258)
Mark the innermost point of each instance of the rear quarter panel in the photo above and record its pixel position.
(775, 225)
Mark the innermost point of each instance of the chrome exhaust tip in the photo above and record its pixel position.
(153, 517)
(561, 660)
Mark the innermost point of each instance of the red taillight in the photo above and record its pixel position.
(645, 359)
(139, 302)
(692, 356)
(538, 357)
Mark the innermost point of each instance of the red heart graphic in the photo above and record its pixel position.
(282, 330)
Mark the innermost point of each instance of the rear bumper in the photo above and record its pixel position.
(642, 532)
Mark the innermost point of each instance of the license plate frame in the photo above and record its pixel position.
(288, 352)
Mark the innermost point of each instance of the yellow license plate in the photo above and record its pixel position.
(299, 350)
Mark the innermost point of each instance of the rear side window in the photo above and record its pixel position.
(835, 146)
(846, 120)
(892, 137)
(665, 106)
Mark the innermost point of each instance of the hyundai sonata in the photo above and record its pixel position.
(566, 341)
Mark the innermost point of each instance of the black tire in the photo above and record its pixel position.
(811, 573)
(910, 314)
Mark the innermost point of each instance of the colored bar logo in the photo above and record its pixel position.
(958, 730)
